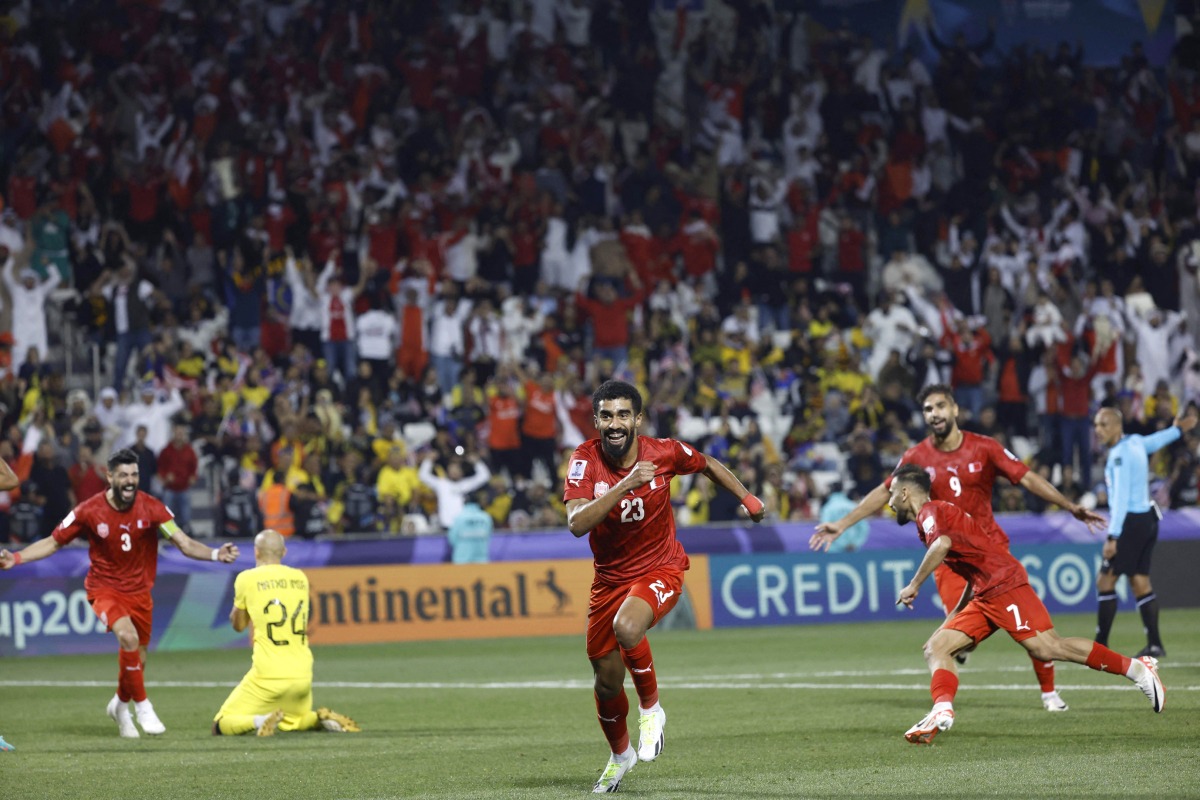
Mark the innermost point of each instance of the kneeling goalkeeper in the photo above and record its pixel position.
(276, 694)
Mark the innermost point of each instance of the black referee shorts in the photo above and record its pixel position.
(1135, 545)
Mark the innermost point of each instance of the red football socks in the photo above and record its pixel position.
(1045, 673)
(943, 686)
(612, 714)
(131, 684)
(1102, 659)
(640, 663)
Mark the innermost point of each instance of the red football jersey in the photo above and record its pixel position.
(965, 476)
(122, 545)
(638, 535)
(979, 558)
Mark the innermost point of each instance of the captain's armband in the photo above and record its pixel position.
(169, 528)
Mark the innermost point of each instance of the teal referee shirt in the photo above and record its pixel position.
(1127, 474)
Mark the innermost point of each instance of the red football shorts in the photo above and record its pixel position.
(1019, 611)
(660, 589)
(111, 606)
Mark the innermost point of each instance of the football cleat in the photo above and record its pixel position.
(651, 736)
(930, 725)
(1152, 650)
(1150, 684)
(614, 772)
(118, 712)
(5, 746)
(336, 723)
(151, 724)
(270, 723)
(1052, 702)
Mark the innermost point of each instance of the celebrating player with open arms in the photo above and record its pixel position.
(618, 489)
(122, 526)
(963, 467)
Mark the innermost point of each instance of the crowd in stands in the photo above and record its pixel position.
(365, 261)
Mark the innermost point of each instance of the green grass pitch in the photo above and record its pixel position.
(804, 712)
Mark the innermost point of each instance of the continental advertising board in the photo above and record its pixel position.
(350, 605)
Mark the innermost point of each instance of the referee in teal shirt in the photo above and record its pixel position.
(1133, 521)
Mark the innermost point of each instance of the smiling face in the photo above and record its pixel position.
(123, 480)
(618, 426)
(941, 415)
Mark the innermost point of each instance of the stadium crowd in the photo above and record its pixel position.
(314, 245)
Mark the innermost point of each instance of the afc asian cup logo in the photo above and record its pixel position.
(102, 530)
(599, 489)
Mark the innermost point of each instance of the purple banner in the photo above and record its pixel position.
(792, 537)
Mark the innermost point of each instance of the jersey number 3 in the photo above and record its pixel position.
(632, 509)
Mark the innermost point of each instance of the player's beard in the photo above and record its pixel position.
(902, 516)
(942, 429)
(617, 453)
(119, 496)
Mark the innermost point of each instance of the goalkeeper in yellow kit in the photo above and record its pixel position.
(276, 694)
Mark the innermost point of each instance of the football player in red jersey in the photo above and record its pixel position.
(963, 467)
(618, 490)
(122, 526)
(998, 597)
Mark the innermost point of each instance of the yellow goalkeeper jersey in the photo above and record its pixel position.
(276, 598)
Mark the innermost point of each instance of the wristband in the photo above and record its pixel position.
(17, 559)
(752, 504)
(216, 553)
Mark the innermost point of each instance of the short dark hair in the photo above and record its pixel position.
(935, 388)
(122, 456)
(911, 473)
(617, 390)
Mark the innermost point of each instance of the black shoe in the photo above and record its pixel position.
(1153, 650)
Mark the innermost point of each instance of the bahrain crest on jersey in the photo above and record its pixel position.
(102, 530)
(599, 489)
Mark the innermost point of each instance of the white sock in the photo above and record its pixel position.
(943, 706)
(1135, 670)
(142, 705)
(651, 709)
(628, 754)
(259, 719)
(1048, 695)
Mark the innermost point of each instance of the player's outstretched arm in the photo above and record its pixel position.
(934, 556)
(8, 478)
(722, 476)
(1047, 491)
(34, 552)
(869, 506)
(226, 553)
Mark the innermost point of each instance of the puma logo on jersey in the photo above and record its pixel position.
(637, 671)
